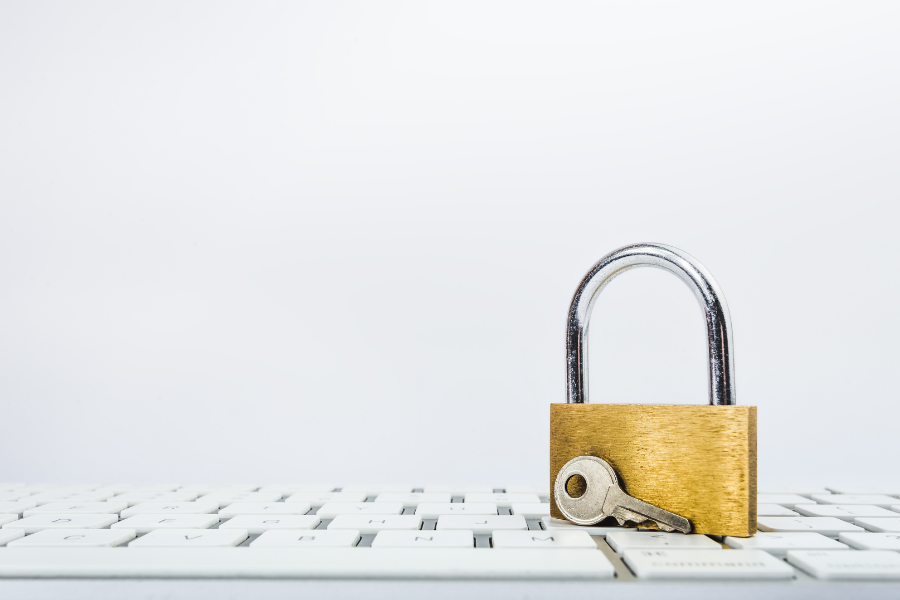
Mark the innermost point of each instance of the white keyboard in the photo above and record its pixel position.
(283, 540)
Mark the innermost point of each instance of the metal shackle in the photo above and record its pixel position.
(690, 271)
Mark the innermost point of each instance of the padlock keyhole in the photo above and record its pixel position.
(576, 486)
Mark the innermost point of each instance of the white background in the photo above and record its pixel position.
(337, 241)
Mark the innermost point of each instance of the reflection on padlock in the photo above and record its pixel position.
(695, 461)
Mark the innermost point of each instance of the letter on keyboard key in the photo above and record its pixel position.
(855, 565)
(880, 525)
(543, 539)
(775, 510)
(320, 538)
(62, 521)
(368, 524)
(263, 523)
(620, 541)
(319, 499)
(8, 535)
(166, 508)
(16, 508)
(847, 512)
(75, 537)
(424, 539)
(333, 509)
(785, 500)
(828, 526)
(412, 500)
(872, 499)
(77, 507)
(706, 564)
(504, 500)
(226, 498)
(433, 511)
(871, 541)
(531, 511)
(133, 498)
(482, 525)
(778, 544)
(147, 523)
(191, 538)
(264, 508)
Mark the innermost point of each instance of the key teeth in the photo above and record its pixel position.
(664, 527)
(620, 521)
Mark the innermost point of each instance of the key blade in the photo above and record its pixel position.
(620, 503)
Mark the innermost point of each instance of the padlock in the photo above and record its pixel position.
(696, 461)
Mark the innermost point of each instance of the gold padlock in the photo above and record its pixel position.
(698, 462)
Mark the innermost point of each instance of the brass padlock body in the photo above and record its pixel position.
(698, 462)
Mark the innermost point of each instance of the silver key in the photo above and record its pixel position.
(605, 498)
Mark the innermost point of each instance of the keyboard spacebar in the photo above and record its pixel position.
(305, 563)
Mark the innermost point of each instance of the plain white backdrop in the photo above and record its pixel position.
(336, 242)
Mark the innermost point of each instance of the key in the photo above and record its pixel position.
(620, 541)
(165, 508)
(366, 524)
(604, 498)
(77, 507)
(226, 498)
(785, 500)
(706, 564)
(132, 498)
(12, 496)
(75, 537)
(412, 500)
(263, 523)
(264, 508)
(319, 499)
(875, 565)
(871, 541)
(333, 509)
(778, 544)
(879, 524)
(774, 510)
(828, 526)
(8, 535)
(8, 487)
(433, 511)
(543, 539)
(503, 500)
(4, 519)
(874, 499)
(147, 523)
(16, 508)
(39, 488)
(531, 511)
(320, 538)
(424, 539)
(374, 490)
(62, 521)
(70, 496)
(847, 512)
(191, 537)
(482, 525)
(458, 490)
(551, 524)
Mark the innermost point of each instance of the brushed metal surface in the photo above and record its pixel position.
(695, 461)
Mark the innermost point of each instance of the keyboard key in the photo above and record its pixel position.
(264, 508)
(77, 507)
(132, 498)
(504, 500)
(16, 508)
(8, 535)
(424, 539)
(69, 496)
(458, 490)
(874, 565)
(871, 541)
(873, 499)
(482, 525)
(828, 526)
(4, 519)
(8, 487)
(774, 510)
(433, 511)
(366, 524)
(190, 537)
(226, 498)
(12, 496)
(881, 525)
(620, 541)
(320, 538)
(70, 521)
(412, 500)
(542, 539)
(847, 512)
(374, 490)
(542, 491)
(75, 537)
(778, 544)
(287, 489)
(785, 500)
(201, 489)
(551, 524)
(706, 564)
(263, 523)
(145, 523)
(886, 490)
(333, 509)
(319, 499)
(39, 488)
(798, 490)
(531, 511)
(165, 508)
(121, 488)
